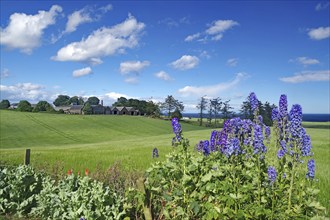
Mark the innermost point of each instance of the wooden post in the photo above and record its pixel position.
(27, 156)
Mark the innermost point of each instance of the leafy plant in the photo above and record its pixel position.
(231, 176)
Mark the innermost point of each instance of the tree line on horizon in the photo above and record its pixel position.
(211, 109)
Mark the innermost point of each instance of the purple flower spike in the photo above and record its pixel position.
(253, 101)
(311, 169)
(283, 106)
(206, 149)
(272, 174)
(176, 128)
(295, 120)
(275, 114)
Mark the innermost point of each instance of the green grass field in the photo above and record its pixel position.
(82, 141)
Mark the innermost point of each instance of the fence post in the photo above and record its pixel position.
(27, 156)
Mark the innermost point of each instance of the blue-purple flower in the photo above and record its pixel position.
(258, 144)
(253, 101)
(306, 145)
(283, 105)
(155, 153)
(280, 153)
(212, 140)
(267, 132)
(272, 174)
(176, 128)
(275, 114)
(311, 169)
(206, 148)
(295, 120)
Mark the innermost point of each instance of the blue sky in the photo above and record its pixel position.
(151, 49)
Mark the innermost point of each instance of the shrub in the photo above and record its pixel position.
(231, 176)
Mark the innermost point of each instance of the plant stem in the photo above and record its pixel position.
(291, 185)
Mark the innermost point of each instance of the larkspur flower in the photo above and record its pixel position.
(275, 114)
(272, 174)
(280, 153)
(306, 145)
(253, 101)
(176, 128)
(260, 119)
(267, 132)
(206, 148)
(235, 146)
(283, 105)
(284, 175)
(283, 146)
(295, 120)
(155, 153)
(258, 144)
(311, 169)
(212, 140)
(200, 146)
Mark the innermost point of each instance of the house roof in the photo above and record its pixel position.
(76, 107)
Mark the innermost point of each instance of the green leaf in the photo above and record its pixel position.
(207, 177)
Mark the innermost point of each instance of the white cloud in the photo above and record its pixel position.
(212, 90)
(192, 37)
(115, 96)
(24, 91)
(163, 75)
(220, 26)
(4, 73)
(322, 6)
(205, 54)
(133, 66)
(77, 18)
(305, 61)
(103, 42)
(319, 33)
(132, 80)
(24, 31)
(106, 8)
(214, 32)
(186, 62)
(308, 76)
(82, 72)
(170, 22)
(232, 62)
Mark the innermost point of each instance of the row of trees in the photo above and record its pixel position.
(63, 100)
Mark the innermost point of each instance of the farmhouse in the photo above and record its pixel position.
(99, 110)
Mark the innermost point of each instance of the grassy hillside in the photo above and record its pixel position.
(80, 142)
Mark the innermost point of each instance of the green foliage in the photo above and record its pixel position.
(43, 106)
(87, 109)
(4, 104)
(24, 106)
(176, 114)
(76, 100)
(171, 104)
(93, 100)
(62, 100)
(190, 185)
(149, 108)
(24, 192)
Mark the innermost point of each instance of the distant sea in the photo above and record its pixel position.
(306, 117)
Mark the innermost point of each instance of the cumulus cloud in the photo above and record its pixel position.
(212, 90)
(214, 32)
(24, 91)
(322, 6)
(308, 76)
(103, 42)
(319, 33)
(114, 96)
(305, 61)
(232, 62)
(163, 76)
(77, 18)
(133, 66)
(82, 72)
(186, 62)
(24, 31)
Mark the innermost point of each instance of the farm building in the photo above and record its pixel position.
(99, 110)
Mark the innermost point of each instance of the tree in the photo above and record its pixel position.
(176, 114)
(202, 107)
(24, 106)
(246, 110)
(43, 106)
(93, 100)
(170, 104)
(226, 110)
(62, 100)
(4, 104)
(75, 100)
(152, 109)
(216, 107)
(122, 101)
(88, 110)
